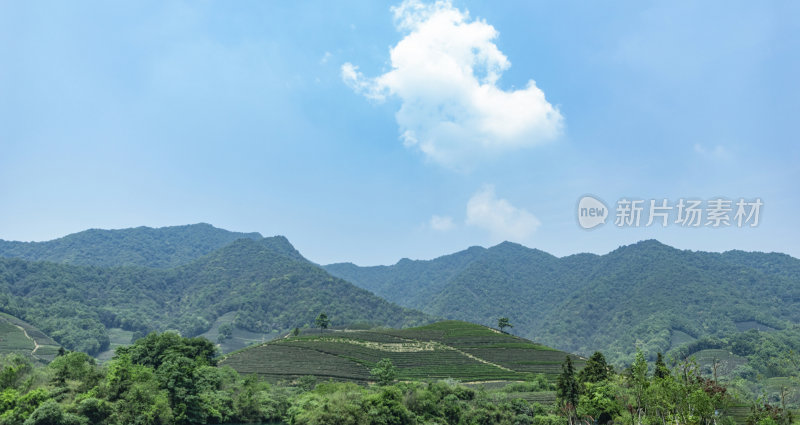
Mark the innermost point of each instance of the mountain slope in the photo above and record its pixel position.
(408, 282)
(643, 294)
(142, 246)
(268, 285)
(450, 349)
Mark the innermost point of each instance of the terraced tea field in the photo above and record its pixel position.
(17, 336)
(240, 337)
(726, 361)
(451, 349)
(118, 338)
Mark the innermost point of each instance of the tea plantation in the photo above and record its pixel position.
(19, 337)
(451, 349)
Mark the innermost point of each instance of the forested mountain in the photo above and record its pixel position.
(269, 285)
(141, 246)
(647, 294)
(408, 282)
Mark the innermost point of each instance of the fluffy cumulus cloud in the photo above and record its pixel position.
(445, 72)
(503, 220)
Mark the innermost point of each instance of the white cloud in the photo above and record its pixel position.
(441, 223)
(445, 72)
(503, 220)
(325, 58)
(717, 152)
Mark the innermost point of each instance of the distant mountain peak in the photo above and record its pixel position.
(144, 246)
(644, 245)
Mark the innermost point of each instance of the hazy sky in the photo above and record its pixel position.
(367, 131)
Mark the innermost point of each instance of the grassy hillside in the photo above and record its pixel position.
(142, 246)
(265, 284)
(19, 337)
(451, 349)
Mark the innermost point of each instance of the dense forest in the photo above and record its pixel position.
(643, 294)
(142, 246)
(733, 313)
(166, 379)
(266, 282)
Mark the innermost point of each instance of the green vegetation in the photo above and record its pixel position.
(322, 321)
(639, 294)
(142, 246)
(733, 314)
(266, 288)
(503, 323)
(765, 364)
(567, 391)
(13, 340)
(169, 380)
(118, 338)
(384, 373)
(647, 294)
(19, 337)
(441, 350)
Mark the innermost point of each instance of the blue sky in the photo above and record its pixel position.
(368, 131)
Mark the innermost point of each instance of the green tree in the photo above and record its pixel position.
(322, 321)
(384, 372)
(503, 323)
(387, 407)
(296, 331)
(600, 401)
(50, 413)
(75, 366)
(639, 383)
(567, 390)
(225, 332)
(596, 369)
(14, 368)
(94, 409)
(155, 348)
(661, 370)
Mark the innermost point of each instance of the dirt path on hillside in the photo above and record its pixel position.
(476, 358)
(35, 344)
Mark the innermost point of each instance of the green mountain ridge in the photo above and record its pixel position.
(266, 282)
(645, 295)
(636, 295)
(163, 247)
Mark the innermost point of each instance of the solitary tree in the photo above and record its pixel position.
(596, 369)
(384, 372)
(639, 382)
(661, 367)
(503, 323)
(296, 331)
(225, 332)
(567, 390)
(322, 321)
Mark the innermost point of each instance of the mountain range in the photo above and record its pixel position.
(265, 282)
(646, 295)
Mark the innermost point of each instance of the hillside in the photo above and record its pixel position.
(450, 349)
(19, 337)
(264, 285)
(142, 246)
(646, 294)
(408, 282)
